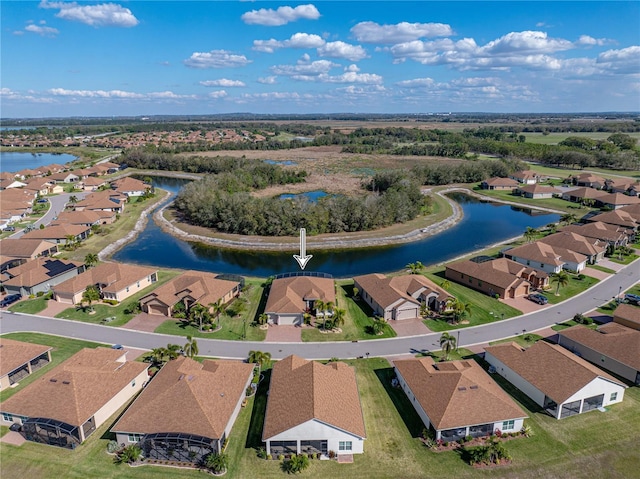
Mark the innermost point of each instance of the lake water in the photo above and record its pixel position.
(483, 224)
(15, 160)
(312, 196)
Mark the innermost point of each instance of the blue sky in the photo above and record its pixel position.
(162, 57)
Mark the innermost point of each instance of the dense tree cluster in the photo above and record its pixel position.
(219, 202)
(469, 172)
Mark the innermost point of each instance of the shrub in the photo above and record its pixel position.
(332, 454)
(526, 431)
(281, 457)
(445, 444)
(497, 296)
(297, 463)
(262, 453)
(317, 455)
(269, 457)
(468, 438)
(112, 302)
(39, 294)
(581, 277)
(498, 433)
(112, 447)
(430, 443)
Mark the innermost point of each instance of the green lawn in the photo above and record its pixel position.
(553, 203)
(574, 287)
(570, 323)
(63, 348)
(460, 353)
(524, 340)
(600, 268)
(565, 172)
(103, 311)
(626, 258)
(29, 306)
(358, 319)
(484, 308)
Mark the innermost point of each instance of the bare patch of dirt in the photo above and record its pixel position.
(331, 183)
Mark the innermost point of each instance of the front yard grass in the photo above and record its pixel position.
(604, 269)
(552, 203)
(626, 258)
(575, 286)
(103, 311)
(484, 308)
(570, 323)
(358, 319)
(524, 340)
(63, 348)
(30, 306)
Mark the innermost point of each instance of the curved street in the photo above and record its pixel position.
(594, 297)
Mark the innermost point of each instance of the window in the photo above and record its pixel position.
(542, 265)
(345, 446)
(138, 284)
(7, 417)
(135, 437)
(127, 289)
(508, 425)
(133, 383)
(613, 396)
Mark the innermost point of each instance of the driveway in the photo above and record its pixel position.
(523, 304)
(607, 263)
(409, 327)
(145, 322)
(596, 273)
(283, 334)
(53, 308)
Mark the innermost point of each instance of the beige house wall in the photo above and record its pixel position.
(117, 401)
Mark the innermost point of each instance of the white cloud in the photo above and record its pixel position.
(270, 80)
(625, 60)
(218, 94)
(225, 82)
(371, 32)
(352, 68)
(216, 59)
(304, 67)
(297, 40)
(169, 95)
(94, 93)
(342, 50)
(586, 40)
(101, 15)
(526, 42)
(416, 82)
(351, 77)
(42, 30)
(281, 16)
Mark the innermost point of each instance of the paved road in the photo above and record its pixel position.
(57, 203)
(591, 299)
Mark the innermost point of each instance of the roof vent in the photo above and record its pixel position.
(66, 382)
(53, 380)
(473, 387)
(181, 377)
(462, 388)
(221, 395)
(190, 378)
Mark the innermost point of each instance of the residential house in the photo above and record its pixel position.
(537, 191)
(27, 249)
(594, 250)
(497, 183)
(606, 234)
(620, 185)
(627, 315)
(457, 398)
(562, 383)
(19, 359)
(589, 180)
(38, 275)
(130, 186)
(582, 195)
(65, 177)
(187, 410)
(14, 184)
(68, 403)
(191, 287)
(92, 183)
(8, 262)
(43, 186)
(291, 297)
(313, 408)
(621, 217)
(400, 297)
(115, 281)
(60, 233)
(501, 277)
(618, 200)
(548, 258)
(612, 346)
(527, 177)
(102, 200)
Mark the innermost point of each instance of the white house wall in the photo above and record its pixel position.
(115, 403)
(317, 430)
(406, 310)
(414, 402)
(236, 411)
(599, 386)
(548, 268)
(514, 378)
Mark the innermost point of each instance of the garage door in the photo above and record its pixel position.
(408, 313)
(288, 319)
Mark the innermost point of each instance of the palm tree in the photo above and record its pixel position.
(198, 313)
(73, 199)
(90, 260)
(216, 309)
(157, 356)
(318, 305)
(458, 308)
(338, 317)
(259, 357)
(90, 295)
(568, 218)
(191, 348)
(530, 234)
(561, 279)
(263, 318)
(446, 284)
(172, 351)
(415, 268)
(129, 454)
(448, 344)
(328, 306)
(377, 326)
(217, 462)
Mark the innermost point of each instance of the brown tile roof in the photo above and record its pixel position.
(57, 232)
(612, 339)
(628, 312)
(632, 210)
(38, 271)
(14, 354)
(83, 384)
(203, 287)
(93, 181)
(550, 368)
(590, 177)
(574, 242)
(500, 272)
(545, 253)
(497, 181)
(538, 189)
(386, 291)
(23, 248)
(86, 217)
(620, 217)
(598, 230)
(189, 397)
(113, 277)
(457, 393)
(525, 175)
(302, 390)
(586, 192)
(619, 199)
(288, 295)
(130, 184)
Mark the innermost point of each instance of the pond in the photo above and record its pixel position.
(312, 196)
(281, 162)
(16, 160)
(483, 224)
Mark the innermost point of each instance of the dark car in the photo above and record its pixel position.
(43, 200)
(632, 298)
(10, 228)
(538, 298)
(10, 299)
(15, 427)
(117, 346)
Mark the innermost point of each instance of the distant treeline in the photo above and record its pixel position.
(394, 197)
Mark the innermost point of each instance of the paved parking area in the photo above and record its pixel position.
(523, 304)
(145, 322)
(283, 334)
(595, 273)
(409, 327)
(53, 308)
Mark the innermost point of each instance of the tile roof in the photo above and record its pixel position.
(544, 253)
(525, 174)
(130, 184)
(598, 230)
(619, 199)
(75, 390)
(386, 291)
(188, 397)
(497, 181)
(628, 312)
(500, 272)
(457, 393)
(23, 248)
(38, 271)
(288, 295)
(14, 354)
(113, 277)
(620, 217)
(586, 192)
(553, 370)
(203, 287)
(538, 189)
(57, 232)
(85, 217)
(574, 242)
(302, 390)
(612, 339)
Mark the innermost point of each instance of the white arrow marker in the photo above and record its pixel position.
(303, 258)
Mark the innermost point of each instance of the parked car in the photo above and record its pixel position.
(632, 298)
(117, 346)
(15, 427)
(43, 200)
(538, 298)
(10, 228)
(10, 299)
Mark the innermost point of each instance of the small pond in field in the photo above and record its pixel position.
(16, 160)
(312, 196)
